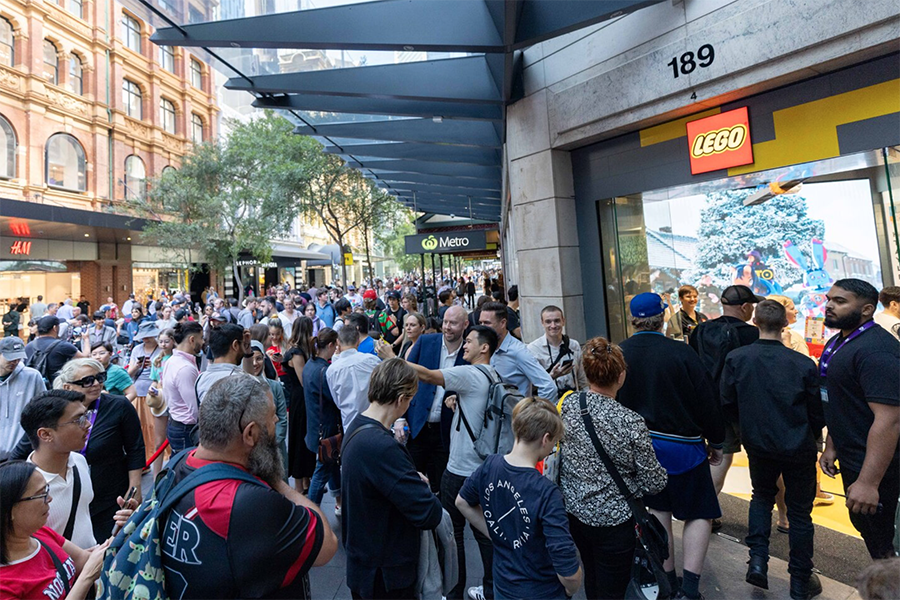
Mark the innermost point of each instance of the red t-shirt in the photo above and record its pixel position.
(279, 367)
(36, 576)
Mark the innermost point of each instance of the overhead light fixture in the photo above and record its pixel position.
(127, 239)
(87, 235)
(437, 119)
(775, 188)
(409, 48)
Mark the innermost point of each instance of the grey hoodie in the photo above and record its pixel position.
(23, 384)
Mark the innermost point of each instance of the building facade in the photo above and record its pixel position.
(608, 192)
(90, 110)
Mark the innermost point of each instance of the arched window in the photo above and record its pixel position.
(76, 76)
(167, 116)
(168, 169)
(196, 128)
(51, 62)
(7, 149)
(7, 44)
(135, 177)
(132, 99)
(76, 7)
(66, 165)
(131, 33)
(167, 58)
(196, 74)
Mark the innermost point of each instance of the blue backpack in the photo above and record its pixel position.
(133, 566)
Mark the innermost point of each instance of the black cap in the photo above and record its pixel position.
(180, 314)
(735, 295)
(394, 294)
(99, 314)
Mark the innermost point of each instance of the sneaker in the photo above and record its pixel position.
(824, 500)
(337, 511)
(476, 593)
(716, 524)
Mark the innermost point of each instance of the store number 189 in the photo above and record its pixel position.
(688, 62)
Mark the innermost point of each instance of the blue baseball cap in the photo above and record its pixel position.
(647, 304)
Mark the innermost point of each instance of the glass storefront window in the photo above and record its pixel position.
(791, 232)
(66, 165)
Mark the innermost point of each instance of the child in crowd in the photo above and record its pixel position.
(522, 512)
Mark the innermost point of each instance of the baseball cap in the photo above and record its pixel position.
(394, 294)
(351, 288)
(370, 295)
(12, 348)
(217, 317)
(180, 314)
(647, 304)
(735, 295)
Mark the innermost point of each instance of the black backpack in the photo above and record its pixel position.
(40, 360)
(713, 341)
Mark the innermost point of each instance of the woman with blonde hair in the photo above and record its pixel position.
(790, 338)
(413, 327)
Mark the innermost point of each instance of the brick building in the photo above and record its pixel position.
(90, 109)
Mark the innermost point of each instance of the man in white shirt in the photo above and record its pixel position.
(229, 344)
(355, 299)
(889, 318)
(348, 378)
(558, 353)
(57, 424)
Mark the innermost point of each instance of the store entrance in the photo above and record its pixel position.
(790, 231)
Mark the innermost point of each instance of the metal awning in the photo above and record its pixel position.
(436, 140)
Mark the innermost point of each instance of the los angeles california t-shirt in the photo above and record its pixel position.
(527, 521)
(35, 576)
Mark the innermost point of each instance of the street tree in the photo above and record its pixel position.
(225, 199)
(375, 211)
(392, 239)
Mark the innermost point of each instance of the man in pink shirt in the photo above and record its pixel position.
(178, 380)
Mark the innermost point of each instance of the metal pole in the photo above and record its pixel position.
(433, 283)
(441, 260)
(422, 281)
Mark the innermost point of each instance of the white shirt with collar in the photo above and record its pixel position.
(447, 360)
(348, 380)
(61, 491)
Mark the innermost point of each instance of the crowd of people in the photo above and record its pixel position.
(387, 407)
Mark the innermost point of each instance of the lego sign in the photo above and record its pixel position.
(720, 141)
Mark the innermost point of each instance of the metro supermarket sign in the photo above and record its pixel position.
(720, 141)
(446, 243)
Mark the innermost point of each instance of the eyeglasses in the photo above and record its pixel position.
(45, 495)
(84, 419)
(90, 380)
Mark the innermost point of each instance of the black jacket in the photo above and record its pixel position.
(773, 392)
(715, 339)
(385, 505)
(669, 386)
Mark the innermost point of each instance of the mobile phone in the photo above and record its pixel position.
(567, 362)
(128, 498)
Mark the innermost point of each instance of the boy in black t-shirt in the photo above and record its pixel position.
(774, 392)
(522, 511)
(860, 369)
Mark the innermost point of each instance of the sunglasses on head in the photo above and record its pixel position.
(90, 380)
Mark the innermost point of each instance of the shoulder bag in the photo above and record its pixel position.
(652, 547)
(76, 496)
(57, 564)
(329, 447)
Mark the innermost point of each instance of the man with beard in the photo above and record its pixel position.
(235, 539)
(860, 369)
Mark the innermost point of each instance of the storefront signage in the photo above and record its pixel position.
(255, 263)
(20, 247)
(720, 141)
(446, 243)
(348, 259)
(685, 64)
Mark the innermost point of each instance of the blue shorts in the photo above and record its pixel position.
(689, 495)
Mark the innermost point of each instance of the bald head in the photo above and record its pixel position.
(455, 321)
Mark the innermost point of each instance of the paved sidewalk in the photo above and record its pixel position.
(723, 576)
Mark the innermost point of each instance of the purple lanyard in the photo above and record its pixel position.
(91, 430)
(831, 349)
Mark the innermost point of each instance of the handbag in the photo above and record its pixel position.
(329, 451)
(648, 577)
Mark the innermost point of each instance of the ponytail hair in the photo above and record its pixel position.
(326, 336)
(534, 417)
(603, 362)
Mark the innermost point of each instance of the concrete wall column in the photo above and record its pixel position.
(543, 211)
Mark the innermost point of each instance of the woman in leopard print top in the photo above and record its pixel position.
(599, 517)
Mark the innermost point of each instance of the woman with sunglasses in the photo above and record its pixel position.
(114, 448)
(29, 551)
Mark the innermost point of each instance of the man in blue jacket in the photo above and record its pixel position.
(428, 418)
